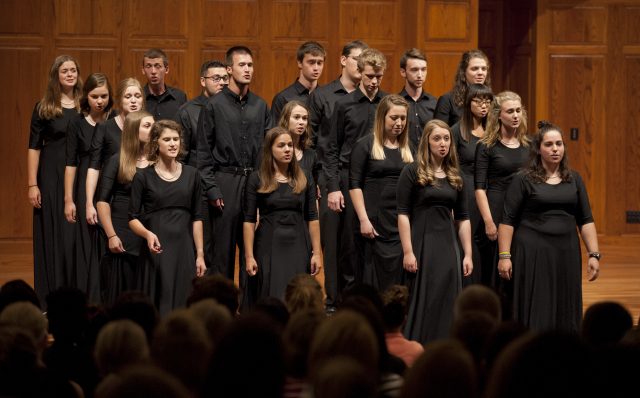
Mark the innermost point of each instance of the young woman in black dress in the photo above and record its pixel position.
(473, 69)
(52, 235)
(499, 155)
(106, 139)
(295, 119)
(539, 245)
(165, 210)
(376, 163)
(466, 135)
(96, 103)
(119, 267)
(432, 216)
(286, 242)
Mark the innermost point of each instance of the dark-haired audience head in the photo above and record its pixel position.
(67, 314)
(17, 290)
(218, 288)
(252, 348)
(142, 381)
(274, 308)
(503, 335)
(473, 329)
(297, 337)
(181, 346)
(213, 77)
(478, 298)
(303, 292)
(215, 317)
(136, 306)
(347, 333)
(28, 317)
(343, 377)
(550, 365)
(18, 359)
(396, 304)
(445, 369)
(605, 323)
(120, 344)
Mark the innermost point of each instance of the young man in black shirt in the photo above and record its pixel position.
(321, 104)
(161, 100)
(352, 118)
(422, 105)
(231, 130)
(310, 58)
(213, 78)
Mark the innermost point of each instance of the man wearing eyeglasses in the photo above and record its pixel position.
(213, 78)
(161, 100)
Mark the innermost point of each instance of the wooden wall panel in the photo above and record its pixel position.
(111, 35)
(582, 25)
(631, 134)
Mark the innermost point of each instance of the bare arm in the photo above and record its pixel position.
(198, 240)
(248, 233)
(404, 228)
(90, 190)
(366, 228)
(33, 160)
(464, 233)
(505, 236)
(316, 258)
(69, 205)
(590, 239)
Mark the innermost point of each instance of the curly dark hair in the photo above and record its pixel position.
(156, 131)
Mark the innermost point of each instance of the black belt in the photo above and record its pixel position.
(241, 171)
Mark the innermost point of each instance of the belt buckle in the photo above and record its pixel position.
(246, 171)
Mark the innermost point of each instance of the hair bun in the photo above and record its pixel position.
(544, 123)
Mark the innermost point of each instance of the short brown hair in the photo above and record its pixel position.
(156, 53)
(412, 53)
(372, 57)
(156, 131)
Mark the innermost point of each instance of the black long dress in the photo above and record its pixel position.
(545, 251)
(309, 163)
(52, 234)
(282, 245)
(105, 143)
(495, 167)
(119, 272)
(438, 281)
(447, 110)
(467, 160)
(378, 180)
(168, 209)
(89, 239)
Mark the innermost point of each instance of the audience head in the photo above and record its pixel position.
(67, 314)
(503, 335)
(605, 323)
(218, 288)
(120, 344)
(181, 346)
(445, 369)
(137, 307)
(297, 338)
(274, 308)
(215, 317)
(478, 298)
(28, 317)
(97, 95)
(396, 305)
(18, 359)
(303, 292)
(343, 377)
(17, 290)
(142, 381)
(473, 329)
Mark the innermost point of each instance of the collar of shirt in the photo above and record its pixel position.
(300, 88)
(235, 97)
(359, 96)
(423, 97)
(168, 92)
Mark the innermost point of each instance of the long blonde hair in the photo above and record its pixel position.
(50, 106)
(426, 172)
(130, 146)
(492, 131)
(122, 87)
(377, 150)
(268, 182)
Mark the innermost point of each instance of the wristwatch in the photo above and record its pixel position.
(595, 255)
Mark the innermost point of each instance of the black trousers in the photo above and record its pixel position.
(342, 259)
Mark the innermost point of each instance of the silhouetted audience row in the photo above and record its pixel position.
(293, 349)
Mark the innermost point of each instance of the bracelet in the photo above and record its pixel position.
(504, 256)
(109, 237)
(504, 253)
(29, 186)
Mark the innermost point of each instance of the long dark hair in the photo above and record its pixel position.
(536, 171)
(305, 140)
(460, 84)
(95, 80)
(50, 106)
(268, 182)
(466, 122)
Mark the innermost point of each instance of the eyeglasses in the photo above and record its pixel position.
(482, 102)
(217, 78)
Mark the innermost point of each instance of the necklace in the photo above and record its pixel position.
(171, 177)
(120, 121)
(90, 120)
(281, 178)
(510, 144)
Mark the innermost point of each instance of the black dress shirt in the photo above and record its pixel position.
(446, 110)
(321, 104)
(296, 91)
(230, 134)
(353, 118)
(420, 112)
(165, 105)
(188, 118)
